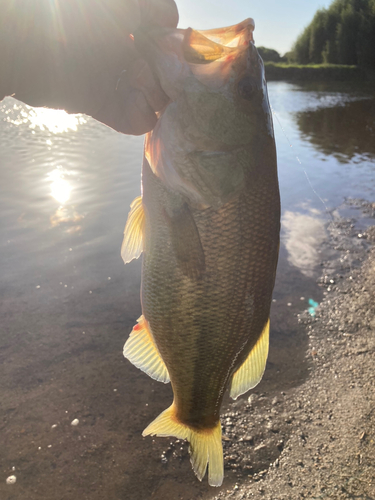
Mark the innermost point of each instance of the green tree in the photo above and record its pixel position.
(342, 34)
(318, 37)
(269, 54)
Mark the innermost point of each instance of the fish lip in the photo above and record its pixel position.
(249, 21)
(146, 36)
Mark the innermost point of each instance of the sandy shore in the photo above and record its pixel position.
(319, 438)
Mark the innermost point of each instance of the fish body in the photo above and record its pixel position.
(208, 224)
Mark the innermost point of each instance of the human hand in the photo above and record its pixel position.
(78, 55)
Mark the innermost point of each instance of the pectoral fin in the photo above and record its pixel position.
(140, 349)
(221, 175)
(251, 371)
(186, 242)
(132, 245)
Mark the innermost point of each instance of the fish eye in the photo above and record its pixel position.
(246, 89)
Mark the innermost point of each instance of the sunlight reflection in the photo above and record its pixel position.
(60, 187)
(303, 237)
(55, 121)
(68, 217)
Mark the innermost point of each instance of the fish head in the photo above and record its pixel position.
(217, 121)
(216, 76)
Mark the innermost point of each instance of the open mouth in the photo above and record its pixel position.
(205, 46)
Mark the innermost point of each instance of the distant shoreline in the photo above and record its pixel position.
(316, 72)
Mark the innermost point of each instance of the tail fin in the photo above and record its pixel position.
(205, 445)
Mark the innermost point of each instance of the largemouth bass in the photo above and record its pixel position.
(208, 225)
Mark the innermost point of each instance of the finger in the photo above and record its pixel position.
(129, 113)
(161, 12)
(131, 106)
(139, 76)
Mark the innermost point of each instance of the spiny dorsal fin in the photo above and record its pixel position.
(205, 445)
(140, 349)
(132, 245)
(250, 373)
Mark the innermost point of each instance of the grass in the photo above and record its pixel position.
(316, 72)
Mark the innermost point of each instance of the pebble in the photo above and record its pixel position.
(11, 479)
(75, 422)
(259, 447)
(248, 438)
(252, 398)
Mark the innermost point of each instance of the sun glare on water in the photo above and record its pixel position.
(55, 121)
(60, 187)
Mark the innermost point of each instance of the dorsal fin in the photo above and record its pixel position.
(140, 349)
(132, 245)
(250, 373)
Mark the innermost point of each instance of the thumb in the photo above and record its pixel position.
(161, 12)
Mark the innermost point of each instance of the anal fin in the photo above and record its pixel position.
(140, 349)
(250, 373)
(132, 245)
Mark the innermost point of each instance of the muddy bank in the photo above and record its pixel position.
(317, 440)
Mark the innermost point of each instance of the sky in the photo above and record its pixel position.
(277, 22)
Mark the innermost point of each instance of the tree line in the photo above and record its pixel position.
(344, 33)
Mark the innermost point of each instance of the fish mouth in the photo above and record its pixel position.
(196, 46)
(174, 54)
(205, 46)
